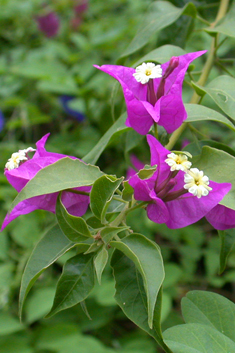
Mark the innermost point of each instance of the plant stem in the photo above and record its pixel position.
(205, 72)
(77, 192)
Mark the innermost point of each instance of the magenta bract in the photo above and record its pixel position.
(221, 217)
(49, 24)
(182, 210)
(168, 110)
(19, 177)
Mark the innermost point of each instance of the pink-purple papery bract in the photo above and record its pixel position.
(182, 211)
(75, 204)
(168, 111)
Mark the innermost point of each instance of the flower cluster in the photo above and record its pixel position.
(177, 194)
(20, 169)
(153, 93)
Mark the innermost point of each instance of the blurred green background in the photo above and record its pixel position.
(48, 84)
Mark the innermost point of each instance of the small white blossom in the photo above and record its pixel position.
(197, 183)
(178, 162)
(18, 157)
(144, 72)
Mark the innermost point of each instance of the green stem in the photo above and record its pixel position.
(119, 199)
(155, 130)
(77, 192)
(122, 215)
(205, 72)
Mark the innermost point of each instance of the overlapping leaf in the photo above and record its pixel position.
(64, 174)
(147, 258)
(161, 14)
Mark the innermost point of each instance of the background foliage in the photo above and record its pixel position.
(36, 73)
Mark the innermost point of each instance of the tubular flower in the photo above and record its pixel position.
(20, 169)
(153, 93)
(179, 196)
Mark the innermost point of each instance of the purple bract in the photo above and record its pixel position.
(75, 204)
(49, 24)
(160, 99)
(169, 199)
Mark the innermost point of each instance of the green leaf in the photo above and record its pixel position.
(161, 14)
(9, 324)
(108, 233)
(226, 25)
(102, 193)
(161, 54)
(218, 166)
(66, 86)
(195, 148)
(197, 338)
(38, 304)
(100, 262)
(227, 238)
(198, 112)
(75, 228)
(66, 173)
(131, 297)
(222, 91)
(127, 191)
(147, 172)
(210, 309)
(53, 245)
(75, 283)
(115, 130)
(147, 258)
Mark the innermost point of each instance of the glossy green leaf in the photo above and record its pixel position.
(218, 166)
(75, 283)
(53, 245)
(115, 130)
(227, 238)
(66, 173)
(226, 25)
(147, 258)
(102, 193)
(198, 112)
(100, 262)
(131, 297)
(161, 14)
(75, 228)
(161, 54)
(197, 338)
(222, 91)
(211, 309)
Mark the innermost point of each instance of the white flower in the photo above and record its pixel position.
(144, 72)
(18, 157)
(178, 162)
(197, 183)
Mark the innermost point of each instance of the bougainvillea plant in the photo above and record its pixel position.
(176, 188)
